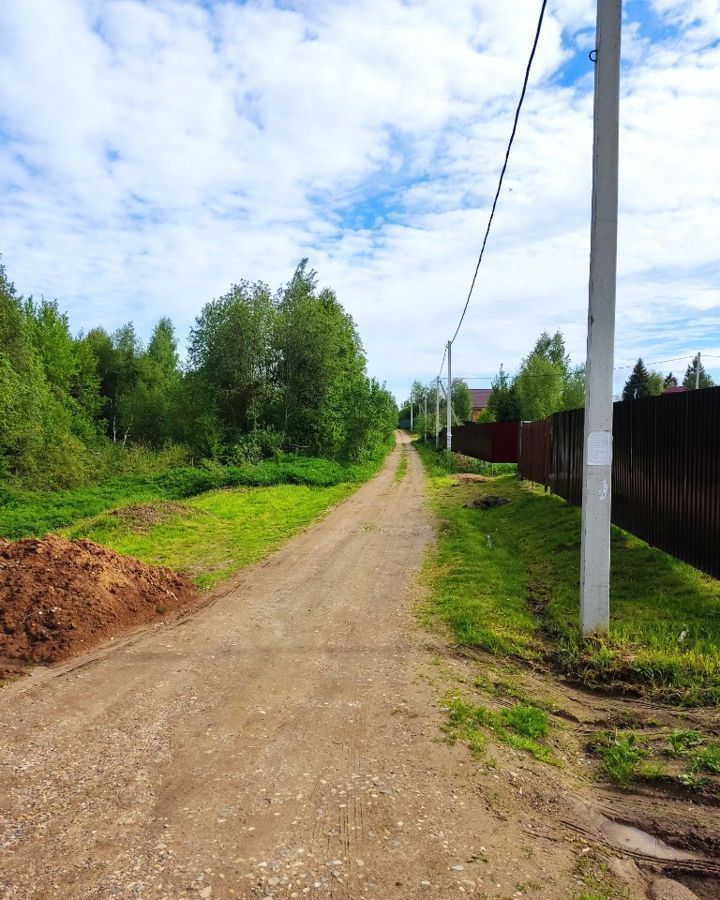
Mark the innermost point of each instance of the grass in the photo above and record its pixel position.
(522, 726)
(214, 535)
(402, 466)
(622, 755)
(507, 580)
(25, 513)
(684, 756)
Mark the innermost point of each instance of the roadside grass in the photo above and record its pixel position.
(26, 514)
(521, 726)
(402, 466)
(506, 579)
(214, 535)
(683, 756)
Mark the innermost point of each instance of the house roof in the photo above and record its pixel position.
(671, 390)
(480, 397)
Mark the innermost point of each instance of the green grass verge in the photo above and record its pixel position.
(212, 536)
(521, 726)
(507, 580)
(25, 514)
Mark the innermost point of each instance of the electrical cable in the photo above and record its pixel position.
(505, 165)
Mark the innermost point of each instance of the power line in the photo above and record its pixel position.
(504, 167)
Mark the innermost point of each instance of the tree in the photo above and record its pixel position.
(539, 387)
(153, 402)
(461, 400)
(231, 352)
(503, 404)
(318, 353)
(638, 384)
(690, 379)
(573, 389)
(670, 381)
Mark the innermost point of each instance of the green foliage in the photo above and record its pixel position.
(461, 406)
(690, 379)
(516, 593)
(544, 384)
(503, 404)
(266, 374)
(214, 535)
(643, 383)
(621, 754)
(522, 726)
(24, 513)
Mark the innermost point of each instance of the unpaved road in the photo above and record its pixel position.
(282, 741)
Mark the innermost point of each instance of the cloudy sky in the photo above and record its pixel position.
(152, 153)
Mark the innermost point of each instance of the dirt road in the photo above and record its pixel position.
(281, 742)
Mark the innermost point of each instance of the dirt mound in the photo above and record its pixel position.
(60, 597)
(142, 516)
(468, 478)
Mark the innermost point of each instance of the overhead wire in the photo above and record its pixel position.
(504, 166)
(500, 180)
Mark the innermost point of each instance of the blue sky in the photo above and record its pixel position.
(152, 153)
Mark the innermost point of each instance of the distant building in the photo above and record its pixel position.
(479, 398)
(675, 390)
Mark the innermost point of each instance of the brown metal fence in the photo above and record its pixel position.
(534, 456)
(495, 442)
(666, 470)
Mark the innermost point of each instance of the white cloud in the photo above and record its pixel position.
(154, 152)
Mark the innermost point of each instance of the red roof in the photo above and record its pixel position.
(479, 397)
(671, 390)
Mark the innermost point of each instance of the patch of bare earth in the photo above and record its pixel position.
(143, 516)
(59, 598)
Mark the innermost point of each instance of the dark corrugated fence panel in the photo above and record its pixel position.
(494, 442)
(666, 470)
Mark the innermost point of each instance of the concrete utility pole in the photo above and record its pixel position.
(437, 413)
(449, 397)
(425, 419)
(697, 371)
(597, 461)
(411, 417)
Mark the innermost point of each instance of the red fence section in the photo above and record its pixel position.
(495, 442)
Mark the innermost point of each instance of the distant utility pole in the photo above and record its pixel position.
(437, 413)
(425, 419)
(697, 371)
(411, 416)
(597, 460)
(449, 397)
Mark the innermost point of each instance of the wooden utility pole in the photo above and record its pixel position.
(597, 461)
(425, 419)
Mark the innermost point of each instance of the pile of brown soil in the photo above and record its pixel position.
(60, 597)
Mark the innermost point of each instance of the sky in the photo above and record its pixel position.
(153, 153)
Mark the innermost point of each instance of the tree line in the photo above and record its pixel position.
(266, 372)
(644, 382)
(545, 383)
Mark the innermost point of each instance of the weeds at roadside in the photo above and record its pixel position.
(522, 727)
(519, 599)
(402, 466)
(684, 756)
